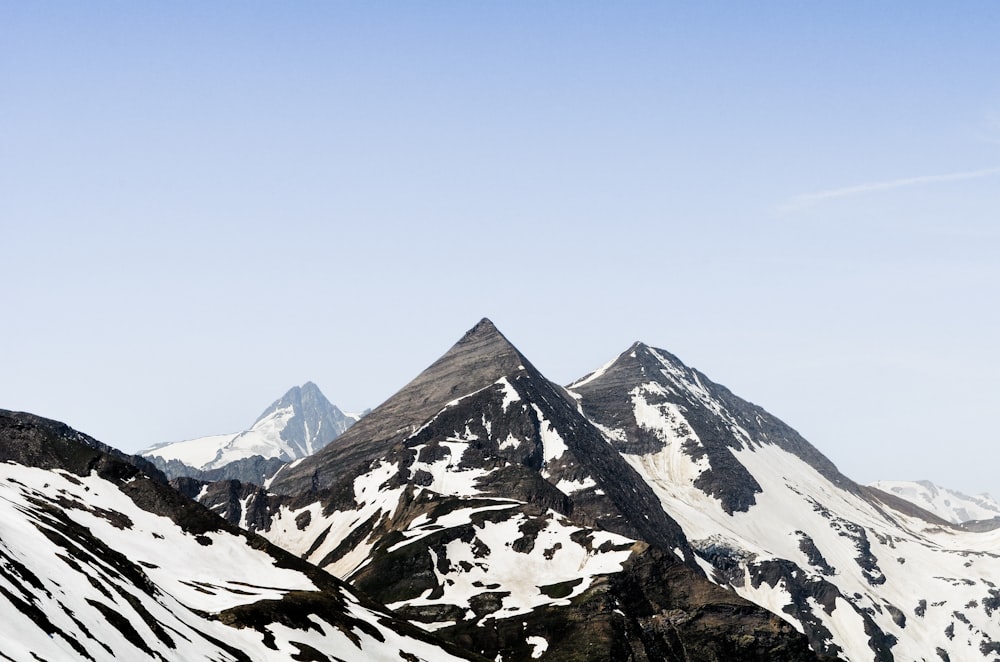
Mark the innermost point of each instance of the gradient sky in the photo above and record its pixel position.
(204, 204)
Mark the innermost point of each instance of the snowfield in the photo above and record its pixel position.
(87, 574)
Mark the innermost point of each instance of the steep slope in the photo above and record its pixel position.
(296, 425)
(101, 560)
(864, 575)
(947, 504)
(479, 501)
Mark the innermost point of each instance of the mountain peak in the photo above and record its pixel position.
(484, 326)
(297, 424)
(481, 357)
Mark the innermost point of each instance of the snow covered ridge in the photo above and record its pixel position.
(292, 427)
(949, 505)
(862, 575)
(88, 574)
(479, 502)
(644, 512)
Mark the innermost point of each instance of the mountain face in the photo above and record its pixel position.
(642, 513)
(481, 502)
(298, 424)
(949, 505)
(101, 560)
(865, 575)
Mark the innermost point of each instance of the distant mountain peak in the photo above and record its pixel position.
(304, 397)
(950, 505)
(295, 425)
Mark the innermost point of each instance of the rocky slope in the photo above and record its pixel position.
(101, 560)
(867, 576)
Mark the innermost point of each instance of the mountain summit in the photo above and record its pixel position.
(297, 424)
(305, 420)
(481, 357)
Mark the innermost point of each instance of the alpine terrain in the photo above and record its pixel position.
(947, 504)
(639, 513)
(298, 424)
(642, 513)
(482, 503)
(100, 559)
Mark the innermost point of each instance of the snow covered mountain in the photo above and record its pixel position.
(298, 424)
(949, 505)
(500, 509)
(641, 513)
(480, 501)
(865, 575)
(101, 560)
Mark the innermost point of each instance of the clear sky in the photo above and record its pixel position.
(204, 204)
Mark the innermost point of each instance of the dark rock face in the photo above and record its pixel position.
(674, 614)
(40, 442)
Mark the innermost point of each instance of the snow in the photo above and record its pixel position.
(571, 486)
(510, 395)
(554, 559)
(196, 453)
(187, 579)
(423, 526)
(690, 384)
(594, 375)
(949, 505)
(510, 442)
(553, 445)
(666, 421)
(538, 646)
(935, 565)
(212, 452)
(447, 476)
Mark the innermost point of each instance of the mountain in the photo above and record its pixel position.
(481, 502)
(949, 505)
(298, 424)
(865, 575)
(644, 512)
(101, 560)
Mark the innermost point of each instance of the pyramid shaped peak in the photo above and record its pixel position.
(484, 329)
(484, 325)
(483, 349)
(481, 357)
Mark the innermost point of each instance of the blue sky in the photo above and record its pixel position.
(203, 204)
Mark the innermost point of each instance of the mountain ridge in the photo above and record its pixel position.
(480, 501)
(948, 504)
(101, 560)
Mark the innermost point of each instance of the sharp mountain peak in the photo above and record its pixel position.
(480, 357)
